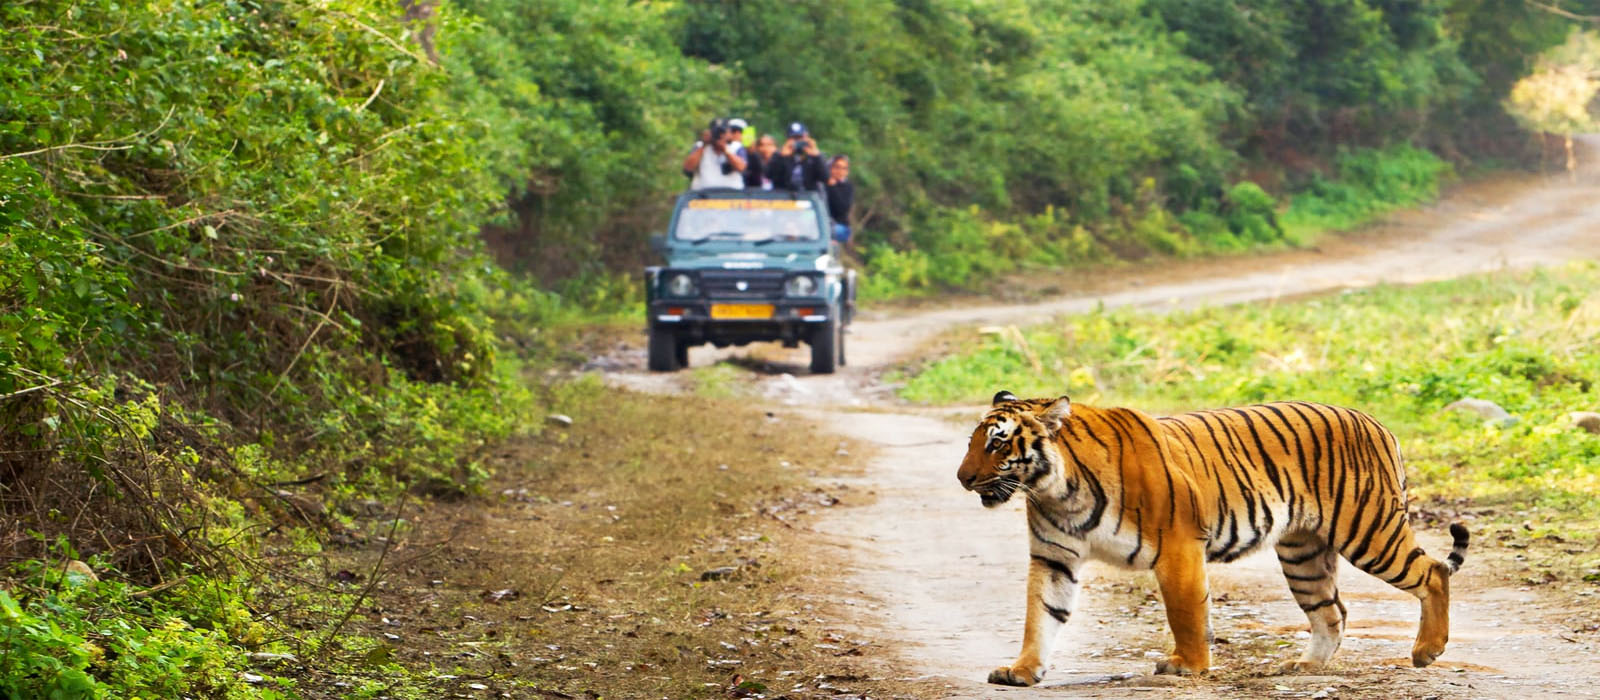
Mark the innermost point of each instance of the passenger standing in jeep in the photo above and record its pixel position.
(798, 165)
(841, 196)
(756, 175)
(714, 162)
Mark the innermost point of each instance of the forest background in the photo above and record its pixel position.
(260, 261)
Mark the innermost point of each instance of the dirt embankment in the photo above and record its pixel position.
(946, 578)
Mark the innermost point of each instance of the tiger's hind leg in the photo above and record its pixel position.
(1312, 569)
(1405, 566)
(1181, 575)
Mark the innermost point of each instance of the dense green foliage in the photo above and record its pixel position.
(1013, 106)
(1345, 70)
(238, 252)
(585, 109)
(991, 136)
(221, 196)
(1524, 341)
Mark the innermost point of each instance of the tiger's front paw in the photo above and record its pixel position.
(1423, 654)
(1177, 666)
(1016, 675)
(1300, 666)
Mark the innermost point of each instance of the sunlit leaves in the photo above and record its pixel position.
(1556, 97)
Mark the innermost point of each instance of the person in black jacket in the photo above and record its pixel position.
(756, 172)
(798, 165)
(841, 196)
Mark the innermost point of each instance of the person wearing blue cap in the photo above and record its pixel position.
(799, 164)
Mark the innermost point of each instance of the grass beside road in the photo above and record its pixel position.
(1526, 341)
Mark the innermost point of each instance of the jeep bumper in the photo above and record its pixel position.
(739, 322)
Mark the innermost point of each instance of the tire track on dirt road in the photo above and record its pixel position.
(948, 577)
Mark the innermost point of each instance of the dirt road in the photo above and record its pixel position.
(947, 576)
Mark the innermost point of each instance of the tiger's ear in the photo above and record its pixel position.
(1003, 397)
(1056, 413)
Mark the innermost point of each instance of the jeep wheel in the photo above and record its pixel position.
(825, 346)
(663, 351)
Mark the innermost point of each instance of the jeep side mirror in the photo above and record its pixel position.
(658, 242)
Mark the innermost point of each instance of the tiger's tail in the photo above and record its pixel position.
(1458, 550)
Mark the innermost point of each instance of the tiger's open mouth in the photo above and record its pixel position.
(997, 492)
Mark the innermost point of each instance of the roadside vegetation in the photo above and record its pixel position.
(1524, 341)
(241, 293)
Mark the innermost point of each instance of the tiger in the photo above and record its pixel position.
(1118, 486)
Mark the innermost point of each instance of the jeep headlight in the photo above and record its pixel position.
(800, 286)
(681, 285)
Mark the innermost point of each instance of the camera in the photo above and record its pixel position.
(718, 129)
(802, 143)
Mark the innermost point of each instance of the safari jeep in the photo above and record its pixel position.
(747, 266)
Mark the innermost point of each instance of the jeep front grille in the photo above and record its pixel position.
(757, 284)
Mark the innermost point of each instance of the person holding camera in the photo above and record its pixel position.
(736, 127)
(715, 161)
(798, 165)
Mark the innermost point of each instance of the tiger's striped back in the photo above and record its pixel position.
(1294, 465)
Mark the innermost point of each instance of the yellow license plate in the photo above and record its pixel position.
(723, 311)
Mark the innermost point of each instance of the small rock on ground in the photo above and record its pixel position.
(78, 568)
(262, 657)
(1488, 410)
(718, 573)
(1585, 420)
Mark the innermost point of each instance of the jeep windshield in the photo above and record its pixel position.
(747, 220)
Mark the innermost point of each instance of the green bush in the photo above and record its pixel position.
(65, 636)
(1369, 183)
(1252, 214)
(964, 248)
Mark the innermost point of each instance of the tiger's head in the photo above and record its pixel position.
(1012, 446)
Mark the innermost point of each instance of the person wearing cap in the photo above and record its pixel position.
(714, 162)
(736, 126)
(798, 165)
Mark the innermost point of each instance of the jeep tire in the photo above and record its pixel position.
(663, 350)
(826, 344)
